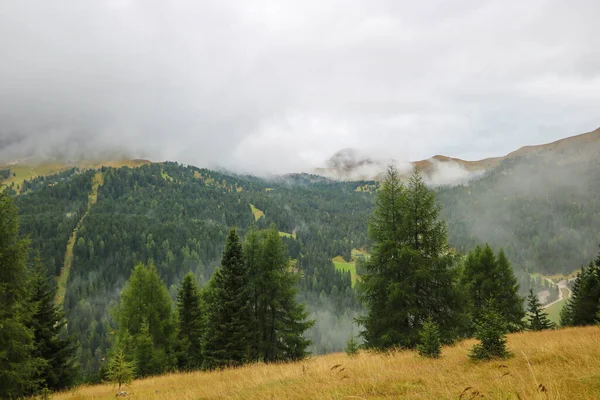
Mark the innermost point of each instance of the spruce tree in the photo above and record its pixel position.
(491, 329)
(52, 345)
(410, 274)
(430, 345)
(486, 277)
(537, 317)
(229, 319)
(280, 319)
(145, 313)
(190, 312)
(18, 365)
(581, 308)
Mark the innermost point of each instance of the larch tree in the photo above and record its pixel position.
(410, 275)
(146, 321)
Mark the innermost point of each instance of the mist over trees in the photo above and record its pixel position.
(175, 220)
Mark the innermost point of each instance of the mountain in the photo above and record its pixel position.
(92, 222)
(351, 164)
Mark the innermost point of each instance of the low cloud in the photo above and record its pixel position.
(279, 87)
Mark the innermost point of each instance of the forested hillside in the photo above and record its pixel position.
(177, 218)
(546, 216)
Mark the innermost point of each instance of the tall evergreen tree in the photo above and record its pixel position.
(280, 319)
(191, 318)
(487, 278)
(229, 319)
(538, 318)
(410, 274)
(52, 345)
(145, 314)
(18, 366)
(581, 308)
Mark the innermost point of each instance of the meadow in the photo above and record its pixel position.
(558, 364)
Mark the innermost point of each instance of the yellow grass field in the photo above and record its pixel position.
(562, 364)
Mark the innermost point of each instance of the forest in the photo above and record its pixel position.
(176, 219)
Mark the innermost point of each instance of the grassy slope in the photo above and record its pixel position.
(258, 214)
(63, 278)
(343, 265)
(565, 362)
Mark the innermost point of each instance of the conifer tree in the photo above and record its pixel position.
(18, 366)
(538, 318)
(491, 329)
(352, 347)
(581, 308)
(190, 312)
(280, 319)
(410, 274)
(52, 345)
(486, 277)
(229, 319)
(430, 345)
(145, 313)
(120, 371)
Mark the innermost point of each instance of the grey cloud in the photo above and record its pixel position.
(269, 87)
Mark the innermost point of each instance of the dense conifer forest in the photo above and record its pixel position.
(165, 229)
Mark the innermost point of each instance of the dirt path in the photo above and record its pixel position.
(562, 288)
(63, 278)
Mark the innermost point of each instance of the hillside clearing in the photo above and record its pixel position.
(561, 364)
(258, 214)
(343, 265)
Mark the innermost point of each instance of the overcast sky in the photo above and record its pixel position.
(279, 86)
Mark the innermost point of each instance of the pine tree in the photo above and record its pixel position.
(430, 345)
(52, 345)
(120, 371)
(228, 338)
(279, 318)
(491, 330)
(410, 274)
(486, 277)
(538, 319)
(190, 311)
(583, 304)
(145, 313)
(18, 366)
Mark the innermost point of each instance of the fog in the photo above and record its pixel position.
(276, 87)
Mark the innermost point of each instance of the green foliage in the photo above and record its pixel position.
(18, 364)
(52, 345)
(279, 319)
(537, 317)
(228, 337)
(145, 314)
(430, 345)
(352, 349)
(120, 371)
(486, 277)
(410, 274)
(581, 308)
(491, 330)
(191, 323)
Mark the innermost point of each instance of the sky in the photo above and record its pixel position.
(269, 87)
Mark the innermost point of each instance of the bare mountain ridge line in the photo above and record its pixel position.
(347, 164)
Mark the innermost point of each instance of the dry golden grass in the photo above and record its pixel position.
(563, 364)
